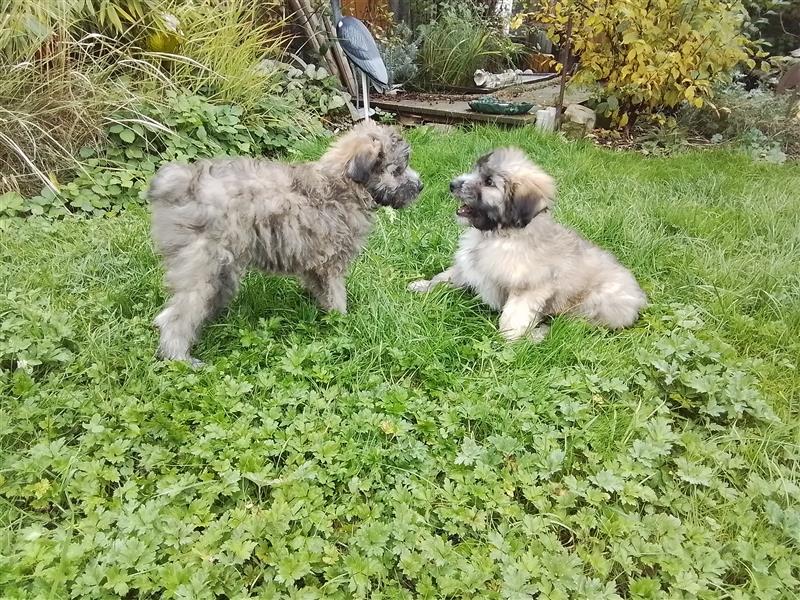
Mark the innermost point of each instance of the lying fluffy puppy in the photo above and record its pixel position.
(524, 264)
(214, 219)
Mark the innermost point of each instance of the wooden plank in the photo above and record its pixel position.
(448, 112)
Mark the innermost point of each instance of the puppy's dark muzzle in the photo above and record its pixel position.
(400, 196)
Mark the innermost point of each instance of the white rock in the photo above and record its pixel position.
(581, 115)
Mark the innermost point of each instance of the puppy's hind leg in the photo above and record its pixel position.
(200, 289)
(615, 305)
(450, 276)
(180, 324)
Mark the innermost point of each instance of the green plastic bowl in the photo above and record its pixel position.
(492, 106)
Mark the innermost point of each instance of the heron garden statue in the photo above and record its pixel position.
(359, 46)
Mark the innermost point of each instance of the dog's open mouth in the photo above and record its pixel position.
(464, 211)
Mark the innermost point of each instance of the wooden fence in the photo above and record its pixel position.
(412, 12)
(375, 12)
(363, 9)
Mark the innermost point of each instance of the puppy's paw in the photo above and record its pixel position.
(512, 335)
(189, 361)
(336, 308)
(420, 287)
(533, 334)
(537, 334)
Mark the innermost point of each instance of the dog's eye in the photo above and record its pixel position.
(488, 181)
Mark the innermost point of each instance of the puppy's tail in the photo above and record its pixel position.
(172, 184)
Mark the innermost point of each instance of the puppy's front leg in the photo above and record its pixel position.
(329, 291)
(521, 315)
(450, 276)
(336, 296)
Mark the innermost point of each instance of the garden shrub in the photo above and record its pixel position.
(184, 127)
(52, 106)
(652, 55)
(312, 88)
(400, 49)
(765, 124)
(90, 116)
(61, 86)
(461, 39)
(776, 23)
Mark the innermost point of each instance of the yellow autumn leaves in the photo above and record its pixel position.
(647, 54)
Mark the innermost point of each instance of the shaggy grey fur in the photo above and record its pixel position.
(524, 264)
(214, 219)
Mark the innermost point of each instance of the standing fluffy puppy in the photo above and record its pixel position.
(214, 219)
(523, 263)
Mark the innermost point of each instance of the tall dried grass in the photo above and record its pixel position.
(54, 105)
(60, 90)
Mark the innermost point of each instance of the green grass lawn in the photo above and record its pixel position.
(404, 451)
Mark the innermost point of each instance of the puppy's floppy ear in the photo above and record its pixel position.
(529, 197)
(483, 160)
(364, 160)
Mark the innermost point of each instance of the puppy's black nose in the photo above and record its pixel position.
(421, 185)
(452, 186)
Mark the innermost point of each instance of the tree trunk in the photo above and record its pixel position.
(401, 9)
(503, 10)
(564, 61)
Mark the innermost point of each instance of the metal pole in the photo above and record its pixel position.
(355, 96)
(365, 92)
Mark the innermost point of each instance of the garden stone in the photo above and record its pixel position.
(581, 115)
(442, 128)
